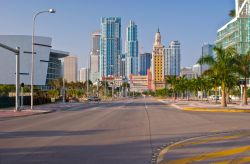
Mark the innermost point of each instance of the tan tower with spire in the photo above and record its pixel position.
(157, 68)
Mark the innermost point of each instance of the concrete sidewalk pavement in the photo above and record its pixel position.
(206, 106)
(38, 109)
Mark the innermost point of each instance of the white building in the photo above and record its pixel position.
(47, 63)
(94, 57)
(70, 68)
(188, 73)
(173, 59)
(197, 69)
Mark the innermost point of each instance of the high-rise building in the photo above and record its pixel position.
(110, 48)
(70, 68)
(173, 59)
(207, 49)
(157, 68)
(94, 57)
(236, 32)
(131, 45)
(83, 74)
(123, 65)
(144, 63)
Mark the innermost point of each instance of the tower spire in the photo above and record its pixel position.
(158, 30)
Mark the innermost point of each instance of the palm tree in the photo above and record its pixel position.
(172, 81)
(223, 66)
(232, 13)
(243, 68)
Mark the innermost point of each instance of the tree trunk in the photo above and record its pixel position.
(223, 95)
(245, 93)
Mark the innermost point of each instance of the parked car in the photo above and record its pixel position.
(214, 97)
(94, 98)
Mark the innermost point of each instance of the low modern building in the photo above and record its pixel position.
(236, 33)
(188, 73)
(47, 62)
(138, 83)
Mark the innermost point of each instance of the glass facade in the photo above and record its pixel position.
(236, 32)
(110, 47)
(145, 63)
(173, 59)
(131, 45)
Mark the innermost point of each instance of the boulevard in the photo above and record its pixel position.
(119, 132)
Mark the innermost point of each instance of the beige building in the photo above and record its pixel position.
(138, 83)
(83, 74)
(70, 68)
(157, 68)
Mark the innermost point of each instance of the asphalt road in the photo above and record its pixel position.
(120, 132)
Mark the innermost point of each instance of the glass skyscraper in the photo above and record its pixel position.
(173, 59)
(131, 51)
(145, 63)
(110, 47)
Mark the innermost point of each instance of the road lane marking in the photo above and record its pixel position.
(187, 142)
(212, 155)
(238, 161)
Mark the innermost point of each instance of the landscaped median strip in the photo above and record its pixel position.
(217, 110)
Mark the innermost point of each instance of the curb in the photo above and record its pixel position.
(35, 113)
(217, 110)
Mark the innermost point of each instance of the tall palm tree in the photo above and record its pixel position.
(223, 66)
(172, 81)
(243, 68)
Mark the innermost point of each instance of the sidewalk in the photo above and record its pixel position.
(203, 106)
(38, 109)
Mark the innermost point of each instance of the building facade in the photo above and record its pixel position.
(207, 49)
(236, 33)
(110, 47)
(173, 59)
(188, 73)
(47, 61)
(131, 49)
(94, 57)
(157, 68)
(123, 66)
(70, 68)
(83, 75)
(144, 63)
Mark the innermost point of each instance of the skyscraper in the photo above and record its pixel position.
(123, 65)
(207, 49)
(157, 68)
(145, 63)
(110, 50)
(70, 68)
(131, 51)
(94, 57)
(173, 59)
(83, 75)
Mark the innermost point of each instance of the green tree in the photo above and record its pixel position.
(223, 66)
(243, 68)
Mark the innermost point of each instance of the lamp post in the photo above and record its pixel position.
(32, 58)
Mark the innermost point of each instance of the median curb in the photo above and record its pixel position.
(224, 110)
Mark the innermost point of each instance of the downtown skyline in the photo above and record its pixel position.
(186, 22)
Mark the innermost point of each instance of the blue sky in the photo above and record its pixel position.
(192, 22)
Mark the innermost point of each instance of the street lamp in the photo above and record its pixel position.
(32, 60)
